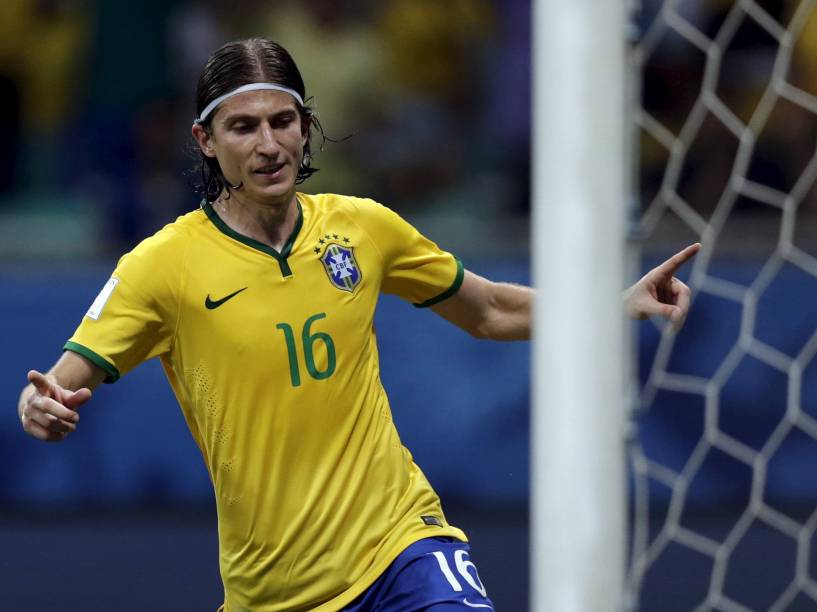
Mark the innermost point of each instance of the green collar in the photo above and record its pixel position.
(259, 246)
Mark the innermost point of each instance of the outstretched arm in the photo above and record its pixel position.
(48, 406)
(502, 311)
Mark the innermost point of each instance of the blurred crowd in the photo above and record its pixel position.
(425, 104)
(674, 78)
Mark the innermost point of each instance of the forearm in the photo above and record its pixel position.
(73, 371)
(508, 316)
(485, 309)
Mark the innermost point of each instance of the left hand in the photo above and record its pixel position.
(660, 293)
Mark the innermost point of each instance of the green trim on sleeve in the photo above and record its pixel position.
(110, 369)
(455, 286)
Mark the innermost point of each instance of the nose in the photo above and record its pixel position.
(267, 142)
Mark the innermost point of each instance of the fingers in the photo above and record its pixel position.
(75, 399)
(41, 433)
(682, 296)
(648, 307)
(660, 293)
(49, 415)
(42, 384)
(670, 301)
(44, 414)
(669, 267)
(52, 408)
(40, 427)
(674, 309)
(674, 306)
(48, 421)
(47, 388)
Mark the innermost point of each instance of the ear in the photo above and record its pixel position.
(306, 123)
(204, 139)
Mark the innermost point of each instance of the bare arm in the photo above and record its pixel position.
(502, 311)
(48, 406)
(485, 309)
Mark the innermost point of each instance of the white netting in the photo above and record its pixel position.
(724, 463)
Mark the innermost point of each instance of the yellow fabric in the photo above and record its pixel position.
(315, 493)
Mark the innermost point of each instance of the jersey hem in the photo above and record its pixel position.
(98, 360)
(455, 286)
(371, 576)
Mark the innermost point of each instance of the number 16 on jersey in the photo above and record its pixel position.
(308, 340)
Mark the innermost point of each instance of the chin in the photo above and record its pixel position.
(272, 194)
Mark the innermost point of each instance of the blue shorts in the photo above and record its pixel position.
(433, 574)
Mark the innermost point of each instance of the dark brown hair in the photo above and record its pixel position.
(238, 63)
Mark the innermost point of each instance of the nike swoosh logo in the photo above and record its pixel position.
(213, 304)
(473, 605)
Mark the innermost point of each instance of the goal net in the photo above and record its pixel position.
(723, 456)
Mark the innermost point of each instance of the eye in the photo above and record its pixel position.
(242, 128)
(283, 121)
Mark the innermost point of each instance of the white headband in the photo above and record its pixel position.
(251, 87)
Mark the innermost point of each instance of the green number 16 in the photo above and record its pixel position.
(308, 340)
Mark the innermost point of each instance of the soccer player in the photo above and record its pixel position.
(260, 305)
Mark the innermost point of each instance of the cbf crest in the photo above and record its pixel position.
(339, 263)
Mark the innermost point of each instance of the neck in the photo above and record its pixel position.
(270, 224)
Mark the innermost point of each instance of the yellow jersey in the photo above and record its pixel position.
(273, 359)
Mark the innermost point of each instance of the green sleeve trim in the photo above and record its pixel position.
(110, 369)
(455, 286)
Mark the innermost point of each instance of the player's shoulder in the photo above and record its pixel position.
(168, 244)
(176, 233)
(335, 202)
(362, 211)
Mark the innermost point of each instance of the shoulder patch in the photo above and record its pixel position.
(99, 303)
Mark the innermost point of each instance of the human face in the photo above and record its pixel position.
(258, 138)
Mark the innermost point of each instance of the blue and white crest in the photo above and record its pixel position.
(341, 267)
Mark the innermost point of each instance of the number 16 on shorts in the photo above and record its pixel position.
(462, 575)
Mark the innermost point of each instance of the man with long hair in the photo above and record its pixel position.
(260, 305)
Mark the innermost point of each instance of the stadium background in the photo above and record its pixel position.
(96, 100)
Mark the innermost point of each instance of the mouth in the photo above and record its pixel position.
(269, 171)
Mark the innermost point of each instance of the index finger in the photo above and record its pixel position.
(670, 266)
(41, 383)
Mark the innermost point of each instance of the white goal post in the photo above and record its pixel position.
(579, 168)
